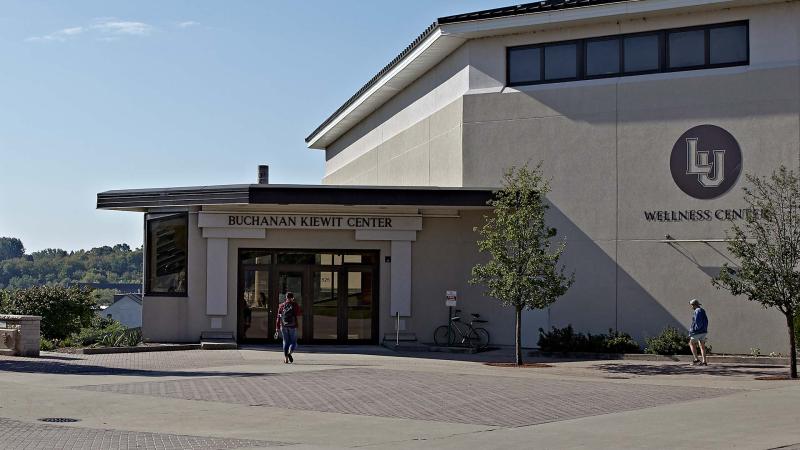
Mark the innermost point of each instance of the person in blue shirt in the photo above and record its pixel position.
(698, 332)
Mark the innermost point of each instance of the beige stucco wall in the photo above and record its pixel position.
(413, 139)
(180, 319)
(606, 145)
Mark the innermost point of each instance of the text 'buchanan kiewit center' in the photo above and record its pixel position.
(645, 113)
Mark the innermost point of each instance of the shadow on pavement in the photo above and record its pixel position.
(53, 367)
(675, 369)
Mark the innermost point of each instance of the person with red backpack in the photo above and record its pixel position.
(286, 323)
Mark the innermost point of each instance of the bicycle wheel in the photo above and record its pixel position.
(479, 338)
(443, 336)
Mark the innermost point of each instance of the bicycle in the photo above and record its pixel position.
(462, 334)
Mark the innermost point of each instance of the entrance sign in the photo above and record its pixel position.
(450, 297)
(309, 221)
(706, 161)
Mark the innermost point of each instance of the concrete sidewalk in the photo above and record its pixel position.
(369, 396)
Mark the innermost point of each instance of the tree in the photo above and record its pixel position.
(767, 247)
(64, 310)
(11, 248)
(523, 271)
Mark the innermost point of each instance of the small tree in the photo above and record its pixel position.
(767, 247)
(523, 271)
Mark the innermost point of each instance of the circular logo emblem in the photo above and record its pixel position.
(706, 161)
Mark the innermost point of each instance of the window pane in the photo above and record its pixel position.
(167, 242)
(359, 305)
(602, 57)
(256, 257)
(352, 259)
(729, 44)
(641, 53)
(687, 49)
(561, 61)
(255, 304)
(524, 65)
(297, 258)
(325, 307)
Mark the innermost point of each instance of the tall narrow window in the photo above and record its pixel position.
(602, 57)
(687, 49)
(524, 65)
(561, 61)
(167, 248)
(728, 45)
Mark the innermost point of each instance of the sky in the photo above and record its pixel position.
(100, 95)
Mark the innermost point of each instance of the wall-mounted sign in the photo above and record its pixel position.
(450, 298)
(706, 161)
(309, 221)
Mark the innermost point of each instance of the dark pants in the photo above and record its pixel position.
(289, 339)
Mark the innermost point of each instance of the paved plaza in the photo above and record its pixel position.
(375, 398)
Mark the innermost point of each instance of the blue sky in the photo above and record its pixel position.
(99, 95)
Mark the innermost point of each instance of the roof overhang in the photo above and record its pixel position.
(447, 34)
(288, 194)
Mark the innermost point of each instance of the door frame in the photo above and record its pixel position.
(307, 270)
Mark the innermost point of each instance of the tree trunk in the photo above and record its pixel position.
(792, 346)
(518, 337)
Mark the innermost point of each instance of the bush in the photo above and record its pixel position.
(567, 340)
(108, 333)
(46, 346)
(671, 341)
(64, 310)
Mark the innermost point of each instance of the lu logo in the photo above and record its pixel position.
(710, 174)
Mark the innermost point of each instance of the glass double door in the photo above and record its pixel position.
(338, 303)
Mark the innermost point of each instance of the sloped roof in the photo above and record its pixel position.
(527, 8)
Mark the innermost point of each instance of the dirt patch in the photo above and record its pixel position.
(524, 365)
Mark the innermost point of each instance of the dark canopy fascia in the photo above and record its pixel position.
(258, 194)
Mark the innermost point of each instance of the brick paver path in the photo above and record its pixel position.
(462, 398)
(19, 435)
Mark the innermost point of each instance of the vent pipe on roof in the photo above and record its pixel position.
(263, 174)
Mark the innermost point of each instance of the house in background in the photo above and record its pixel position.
(126, 309)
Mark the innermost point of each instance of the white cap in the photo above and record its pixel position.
(694, 301)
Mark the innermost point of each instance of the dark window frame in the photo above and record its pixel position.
(148, 267)
(746, 25)
(578, 60)
(663, 54)
(524, 47)
(621, 50)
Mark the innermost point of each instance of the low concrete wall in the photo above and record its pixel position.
(20, 335)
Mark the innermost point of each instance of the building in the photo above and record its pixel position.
(125, 309)
(645, 114)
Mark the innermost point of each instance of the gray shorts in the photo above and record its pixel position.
(698, 337)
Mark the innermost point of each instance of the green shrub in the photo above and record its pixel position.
(567, 340)
(64, 310)
(129, 337)
(45, 345)
(671, 341)
(107, 333)
(618, 342)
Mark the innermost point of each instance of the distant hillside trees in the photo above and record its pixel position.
(11, 248)
(117, 264)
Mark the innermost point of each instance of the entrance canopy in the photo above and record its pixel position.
(293, 194)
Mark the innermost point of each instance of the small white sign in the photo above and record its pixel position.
(450, 298)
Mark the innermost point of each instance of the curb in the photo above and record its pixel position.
(731, 359)
(153, 348)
